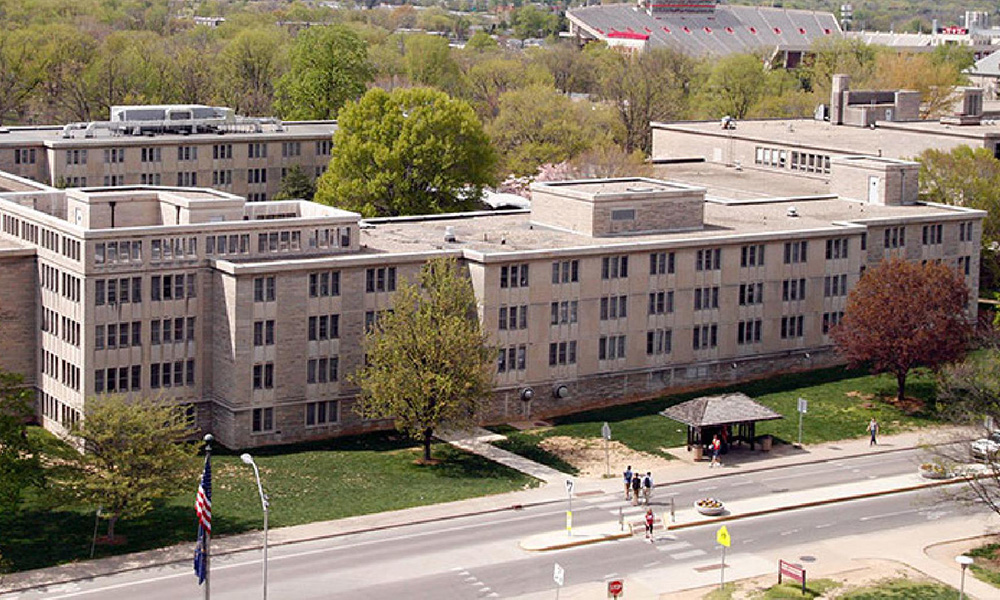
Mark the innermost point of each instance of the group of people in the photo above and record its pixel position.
(638, 486)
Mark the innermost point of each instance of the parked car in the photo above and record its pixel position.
(988, 447)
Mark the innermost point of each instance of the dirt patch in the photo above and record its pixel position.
(908, 405)
(587, 455)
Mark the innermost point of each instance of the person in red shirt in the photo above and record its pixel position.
(649, 524)
(716, 446)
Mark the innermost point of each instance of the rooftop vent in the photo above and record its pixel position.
(449, 234)
(792, 212)
(640, 189)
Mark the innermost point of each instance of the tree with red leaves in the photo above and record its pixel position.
(904, 315)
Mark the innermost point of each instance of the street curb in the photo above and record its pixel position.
(606, 538)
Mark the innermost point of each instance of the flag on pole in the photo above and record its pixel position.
(203, 507)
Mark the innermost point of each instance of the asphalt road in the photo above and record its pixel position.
(478, 557)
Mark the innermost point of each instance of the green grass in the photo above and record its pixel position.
(986, 565)
(833, 415)
(902, 589)
(306, 483)
(814, 589)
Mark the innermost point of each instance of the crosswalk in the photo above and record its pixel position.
(664, 542)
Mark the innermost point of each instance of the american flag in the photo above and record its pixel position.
(203, 506)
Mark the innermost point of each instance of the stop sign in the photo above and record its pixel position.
(615, 588)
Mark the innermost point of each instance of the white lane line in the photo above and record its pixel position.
(709, 488)
(739, 483)
(493, 595)
(892, 514)
(872, 477)
(611, 575)
(790, 531)
(470, 578)
(485, 590)
(674, 546)
(459, 569)
(748, 540)
(824, 526)
(792, 476)
(651, 564)
(688, 554)
(478, 583)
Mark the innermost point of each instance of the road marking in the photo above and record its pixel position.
(739, 483)
(470, 578)
(872, 477)
(824, 526)
(478, 583)
(790, 531)
(706, 489)
(493, 595)
(485, 590)
(651, 564)
(748, 540)
(674, 546)
(892, 514)
(459, 569)
(792, 476)
(611, 576)
(688, 554)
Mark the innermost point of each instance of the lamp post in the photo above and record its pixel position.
(265, 505)
(965, 561)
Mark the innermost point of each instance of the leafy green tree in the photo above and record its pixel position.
(411, 151)
(734, 84)
(65, 95)
(851, 56)
(133, 456)
(20, 70)
(429, 361)
(328, 67)
(481, 42)
(530, 21)
(488, 79)
(296, 185)
(247, 68)
(429, 62)
(20, 467)
(904, 315)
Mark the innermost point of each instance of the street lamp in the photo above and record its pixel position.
(965, 561)
(265, 505)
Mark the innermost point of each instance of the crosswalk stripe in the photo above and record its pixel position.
(688, 554)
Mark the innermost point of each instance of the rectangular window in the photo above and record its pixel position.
(751, 293)
(836, 248)
(611, 347)
(658, 341)
(513, 276)
(830, 320)
(706, 298)
(748, 332)
(614, 307)
(895, 237)
(562, 353)
(661, 302)
(709, 259)
(932, 234)
(262, 419)
(614, 267)
(752, 256)
(791, 327)
(567, 271)
(705, 336)
(795, 252)
(661, 263)
(793, 289)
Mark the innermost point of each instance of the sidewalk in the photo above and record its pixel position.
(477, 441)
(680, 471)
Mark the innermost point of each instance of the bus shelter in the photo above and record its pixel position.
(733, 417)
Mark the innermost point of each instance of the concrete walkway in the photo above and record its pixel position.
(477, 441)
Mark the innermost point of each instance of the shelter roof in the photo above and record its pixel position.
(726, 409)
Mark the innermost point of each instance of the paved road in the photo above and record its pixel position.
(478, 557)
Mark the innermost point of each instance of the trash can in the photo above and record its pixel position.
(698, 450)
(765, 443)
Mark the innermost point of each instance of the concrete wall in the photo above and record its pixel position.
(18, 320)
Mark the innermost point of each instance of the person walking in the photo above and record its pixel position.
(628, 483)
(873, 430)
(647, 487)
(636, 486)
(650, 519)
(716, 447)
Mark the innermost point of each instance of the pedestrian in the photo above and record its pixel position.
(873, 429)
(647, 486)
(716, 446)
(636, 485)
(649, 524)
(628, 483)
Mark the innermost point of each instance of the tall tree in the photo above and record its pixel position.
(296, 185)
(248, 67)
(328, 67)
(134, 455)
(21, 71)
(20, 467)
(904, 315)
(530, 21)
(429, 360)
(429, 62)
(734, 84)
(936, 80)
(488, 79)
(411, 151)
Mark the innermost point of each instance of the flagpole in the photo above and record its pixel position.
(208, 534)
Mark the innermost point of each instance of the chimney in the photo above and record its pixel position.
(840, 86)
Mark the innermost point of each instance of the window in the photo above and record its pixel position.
(187, 179)
(263, 333)
(831, 319)
(835, 285)
(263, 376)
(658, 341)
(114, 155)
(611, 347)
(382, 279)
(623, 214)
(795, 252)
(567, 271)
(257, 175)
(222, 151)
(291, 149)
(24, 156)
(661, 263)
(965, 264)
(564, 312)
(965, 232)
(187, 153)
(614, 307)
(932, 234)
(263, 289)
(614, 267)
(222, 177)
(323, 370)
(793, 289)
(263, 420)
(562, 353)
(791, 327)
(895, 237)
(751, 293)
(864, 241)
(323, 147)
(324, 283)
(148, 155)
(99, 292)
(748, 332)
(661, 302)
(752, 256)
(705, 336)
(257, 150)
(836, 248)
(322, 413)
(76, 157)
(514, 276)
(513, 317)
(513, 358)
(708, 260)
(706, 298)
(99, 337)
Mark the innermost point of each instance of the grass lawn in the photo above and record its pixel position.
(987, 565)
(833, 414)
(902, 589)
(306, 482)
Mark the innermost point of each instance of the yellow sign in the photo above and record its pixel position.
(723, 536)
(569, 521)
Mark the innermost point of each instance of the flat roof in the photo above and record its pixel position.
(721, 181)
(51, 136)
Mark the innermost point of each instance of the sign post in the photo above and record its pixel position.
(803, 409)
(793, 572)
(559, 576)
(616, 588)
(606, 434)
(569, 511)
(722, 537)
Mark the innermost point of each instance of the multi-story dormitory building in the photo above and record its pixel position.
(182, 145)
(253, 314)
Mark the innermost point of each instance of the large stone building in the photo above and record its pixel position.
(253, 314)
(174, 145)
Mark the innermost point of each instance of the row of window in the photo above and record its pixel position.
(169, 331)
(330, 237)
(382, 279)
(179, 373)
(324, 284)
(117, 291)
(323, 370)
(513, 358)
(279, 241)
(50, 240)
(324, 327)
(56, 410)
(61, 370)
(513, 317)
(173, 287)
(69, 331)
(235, 243)
(119, 335)
(173, 248)
(120, 252)
(118, 379)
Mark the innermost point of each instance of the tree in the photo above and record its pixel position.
(20, 70)
(488, 79)
(936, 80)
(529, 21)
(247, 68)
(429, 360)
(20, 467)
(329, 66)
(734, 84)
(133, 455)
(481, 42)
(429, 62)
(296, 185)
(903, 315)
(411, 151)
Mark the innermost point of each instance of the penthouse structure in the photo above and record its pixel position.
(253, 315)
(173, 145)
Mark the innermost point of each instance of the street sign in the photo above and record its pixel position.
(558, 575)
(616, 587)
(803, 405)
(793, 572)
(606, 431)
(569, 486)
(722, 536)
(569, 521)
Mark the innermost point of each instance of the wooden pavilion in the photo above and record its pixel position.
(708, 415)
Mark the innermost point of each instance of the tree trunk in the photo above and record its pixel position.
(901, 386)
(111, 527)
(428, 435)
